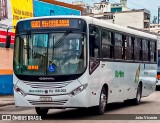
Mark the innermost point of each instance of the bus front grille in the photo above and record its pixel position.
(47, 85)
(45, 103)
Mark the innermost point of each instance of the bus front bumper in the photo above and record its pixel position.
(57, 101)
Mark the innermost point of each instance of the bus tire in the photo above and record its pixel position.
(100, 109)
(137, 100)
(41, 112)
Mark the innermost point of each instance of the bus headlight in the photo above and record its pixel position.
(19, 91)
(78, 90)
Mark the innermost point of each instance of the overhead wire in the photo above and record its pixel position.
(140, 5)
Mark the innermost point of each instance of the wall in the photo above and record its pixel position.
(47, 9)
(133, 19)
(6, 70)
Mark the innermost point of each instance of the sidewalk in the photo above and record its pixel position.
(6, 100)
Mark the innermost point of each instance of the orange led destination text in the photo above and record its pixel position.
(32, 67)
(49, 23)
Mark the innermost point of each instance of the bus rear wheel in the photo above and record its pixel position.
(137, 100)
(41, 111)
(100, 109)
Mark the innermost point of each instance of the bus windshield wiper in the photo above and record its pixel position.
(62, 38)
(27, 42)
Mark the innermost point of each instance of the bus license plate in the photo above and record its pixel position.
(45, 98)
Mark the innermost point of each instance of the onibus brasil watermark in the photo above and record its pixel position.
(146, 117)
(101, 117)
(19, 117)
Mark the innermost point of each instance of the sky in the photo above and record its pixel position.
(151, 5)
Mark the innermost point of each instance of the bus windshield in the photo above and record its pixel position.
(53, 53)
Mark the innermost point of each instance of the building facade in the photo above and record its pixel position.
(85, 6)
(136, 18)
(50, 8)
(101, 7)
(155, 28)
(118, 7)
(139, 19)
(3, 9)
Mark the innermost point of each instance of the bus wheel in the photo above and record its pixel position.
(41, 111)
(137, 100)
(100, 109)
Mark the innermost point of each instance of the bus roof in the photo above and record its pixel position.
(102, 23)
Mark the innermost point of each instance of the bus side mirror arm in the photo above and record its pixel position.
(8, 41)
(8, 37)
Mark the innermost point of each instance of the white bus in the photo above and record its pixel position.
(80, 61)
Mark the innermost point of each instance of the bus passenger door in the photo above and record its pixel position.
(95, 69)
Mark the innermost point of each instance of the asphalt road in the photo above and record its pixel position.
(147, 111)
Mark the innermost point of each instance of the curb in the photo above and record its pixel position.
(12, 103)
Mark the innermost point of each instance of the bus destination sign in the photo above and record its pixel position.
(35, 24)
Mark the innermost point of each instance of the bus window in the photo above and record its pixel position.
(153, 52)
(137, 49)
(40, 40)
(16, 55)
(129, 48)
(145, 50)
(118, 46)
(158, 58)
(158, 65)
(94, 40)
(106, 44)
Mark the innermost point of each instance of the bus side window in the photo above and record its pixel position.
(94, 41)
(153, 51)
(129, 48)
(145, 49)
(118, 46)
(137, 49)
(106, 44)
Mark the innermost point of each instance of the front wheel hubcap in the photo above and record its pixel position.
(103, 101)
(138, 95)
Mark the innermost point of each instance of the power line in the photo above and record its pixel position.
(139, 5)
(135, 5)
